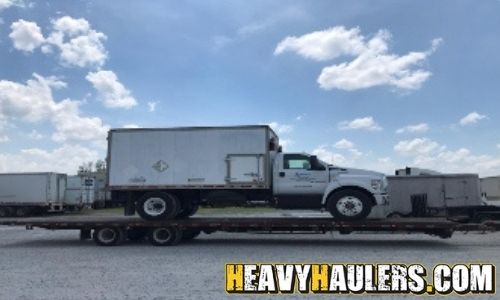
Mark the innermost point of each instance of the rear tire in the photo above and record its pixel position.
(165, 236)
(158, 206)
(349, 205)
(108, 236)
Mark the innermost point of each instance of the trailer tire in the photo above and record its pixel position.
(349, 205)
(158, 206)
(6, 212)
(108, 236)
(22, 212)
(165, 236)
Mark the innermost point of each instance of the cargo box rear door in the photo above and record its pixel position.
(245, 168)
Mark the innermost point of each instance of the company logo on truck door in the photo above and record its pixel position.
(360, 278)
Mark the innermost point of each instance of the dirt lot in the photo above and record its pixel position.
(42, 264)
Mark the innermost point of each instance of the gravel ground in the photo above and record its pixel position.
(43, 264)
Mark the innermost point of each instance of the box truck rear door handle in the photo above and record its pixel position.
(282, 174)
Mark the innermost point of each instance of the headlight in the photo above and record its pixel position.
(376, 184)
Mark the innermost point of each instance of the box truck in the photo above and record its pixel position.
(80, 192)
(164, 173)
(22, 194)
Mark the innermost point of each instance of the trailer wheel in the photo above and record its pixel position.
(165, 236)
(108, 236)
(22, 212)
(349, 205)
(189, 234)
(158, 206)
(6, 211)
(188, 211)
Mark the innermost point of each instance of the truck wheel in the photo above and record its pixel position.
(5, 212)
(22, 212)
(189, 234)
(108, 236)
(165, 236)
(188, 211)
(349, 205)
(158, 206)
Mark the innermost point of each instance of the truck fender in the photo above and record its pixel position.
(335, 185)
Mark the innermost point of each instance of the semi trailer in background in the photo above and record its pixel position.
(164, 173)
(490, 188)
(23, 194)
(80, 192)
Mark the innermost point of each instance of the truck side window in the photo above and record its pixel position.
(296, 161)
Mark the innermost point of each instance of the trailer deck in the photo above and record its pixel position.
(174, 229)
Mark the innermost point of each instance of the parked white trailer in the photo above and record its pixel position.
(168, 172)
(22, 194)
(490, 189)
(80, 192)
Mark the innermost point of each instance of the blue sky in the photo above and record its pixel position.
(335, 78)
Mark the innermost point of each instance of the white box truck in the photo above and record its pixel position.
(23, 194)
(490, 189)
(165, 173)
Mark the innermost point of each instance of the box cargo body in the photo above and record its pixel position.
(80, 191)
(33, 189)
(440, 191)
(191, 158)
(490, 189)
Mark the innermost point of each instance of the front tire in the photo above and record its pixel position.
(349, 205)
(158, 206)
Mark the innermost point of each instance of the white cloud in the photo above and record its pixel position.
(286, 143)
(65, 158)
(329, 156)
(431, 155)
(152, 106)
(4, 138)
(33, 102)
(324, 45)
(366, 123)
(25, 35)
(111, 91)
(472, 118)
(418, 128)
(35, 135)
(131, 126)
(78, 44)
(373, 64)
(344, 144)
(300, 117)
(281, 128)
(416, 146)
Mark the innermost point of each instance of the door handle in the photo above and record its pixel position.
(282, 174)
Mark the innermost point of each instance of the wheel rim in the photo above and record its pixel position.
(155, 206)
(162, 235)
(106, 235)
(349, 206)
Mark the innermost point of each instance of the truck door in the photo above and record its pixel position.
(299, 182)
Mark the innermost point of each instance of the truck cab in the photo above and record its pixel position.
(301, 180)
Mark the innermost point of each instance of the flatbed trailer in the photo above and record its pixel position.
(112, 230)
